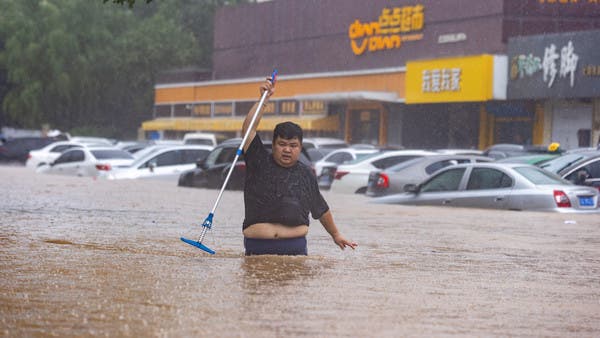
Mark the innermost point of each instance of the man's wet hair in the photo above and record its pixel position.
(287, 130)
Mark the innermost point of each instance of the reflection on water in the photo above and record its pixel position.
(270, 271)
(94, 258)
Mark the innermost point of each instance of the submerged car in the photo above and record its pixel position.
(162, 162)
(17, 150)
(87, 161)
(510, 186)
(340, 156)
(393, 179)
(323, 143)
(49, 153)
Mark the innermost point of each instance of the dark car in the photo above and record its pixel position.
(212, 171)
(17, 149)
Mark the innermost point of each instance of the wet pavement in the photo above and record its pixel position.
(83, 257)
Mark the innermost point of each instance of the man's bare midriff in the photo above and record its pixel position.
(274, 231)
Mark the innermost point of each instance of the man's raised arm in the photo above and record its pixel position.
(267, 86)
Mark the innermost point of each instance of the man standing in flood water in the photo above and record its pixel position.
(280, 192)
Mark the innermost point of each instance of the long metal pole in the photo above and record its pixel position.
(208, 222)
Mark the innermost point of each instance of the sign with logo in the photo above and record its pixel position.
(393, 27)
(450, 80)
(557, 65)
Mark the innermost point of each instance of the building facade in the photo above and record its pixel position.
(560, 75)
(418, 74)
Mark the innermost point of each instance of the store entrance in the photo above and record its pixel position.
(364, 126)
(515, 130)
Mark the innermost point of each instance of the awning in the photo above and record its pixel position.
(330, 123)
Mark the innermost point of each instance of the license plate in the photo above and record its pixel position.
(586, 201)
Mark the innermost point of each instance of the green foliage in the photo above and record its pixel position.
(130, 3)
(74, 63)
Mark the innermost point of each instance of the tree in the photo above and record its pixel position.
(76, 63)
(130, 3)
(83, 65)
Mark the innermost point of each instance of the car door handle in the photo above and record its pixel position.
(499, 199)
(446, 201)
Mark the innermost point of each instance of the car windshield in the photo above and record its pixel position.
(109, 153)
(539, 176)
(560, 163)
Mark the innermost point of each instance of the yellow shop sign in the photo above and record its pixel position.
(450, 80)
(394, 26)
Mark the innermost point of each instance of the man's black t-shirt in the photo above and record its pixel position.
(274, 194)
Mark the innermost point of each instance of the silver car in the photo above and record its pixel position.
(393, 179)
(510, 186)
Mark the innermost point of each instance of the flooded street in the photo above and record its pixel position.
(103, 258)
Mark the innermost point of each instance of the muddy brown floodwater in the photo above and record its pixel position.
(80, 257)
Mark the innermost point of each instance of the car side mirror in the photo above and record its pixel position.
(412, 188)
(151, 166)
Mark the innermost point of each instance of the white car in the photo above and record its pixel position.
(340, 156)
(92, 140)
(162, 162)
(210, 139)
(88, 161)
(323, 142)
(49, 153)
(353, 177)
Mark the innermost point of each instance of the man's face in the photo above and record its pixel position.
(286, 152)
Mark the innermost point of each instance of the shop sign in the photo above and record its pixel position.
(223, 109)
(557, 65)
(202, 109)
(313, 107)
(450, 80)
(288, 107)
(452, 38)
(393, 27)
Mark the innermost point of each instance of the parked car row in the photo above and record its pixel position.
(453, 177)
(111, 162)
